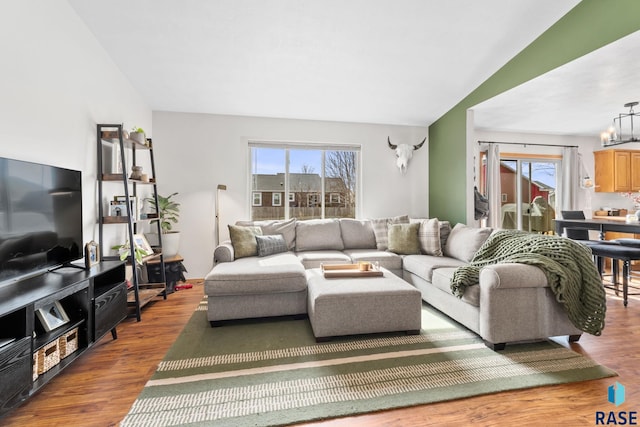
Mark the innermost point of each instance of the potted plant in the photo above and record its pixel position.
(168, 212)
(137, 134)
(124, 251)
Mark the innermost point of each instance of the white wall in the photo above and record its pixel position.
(57, 83)
(196, 152)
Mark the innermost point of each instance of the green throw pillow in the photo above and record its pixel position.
(243, 240)
(403, 238)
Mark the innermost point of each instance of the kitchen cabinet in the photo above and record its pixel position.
(617, 170)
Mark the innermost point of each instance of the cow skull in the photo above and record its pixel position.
(404, 152)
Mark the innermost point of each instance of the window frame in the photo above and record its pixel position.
(253, 198)
(273, 199)
(290, 195)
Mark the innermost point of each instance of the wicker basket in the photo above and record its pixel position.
(68, 343)
(34, 367)
(48, 357)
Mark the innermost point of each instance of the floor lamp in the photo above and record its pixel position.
(221, 187)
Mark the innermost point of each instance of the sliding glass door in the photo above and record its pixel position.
(528, 194)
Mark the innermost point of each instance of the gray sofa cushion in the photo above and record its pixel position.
(286, 228)
(318, 234)
(385, 259)
(442, 280)
(424, 265)
(464, 241)
(313, 259)
(272, 274)
(357, 234)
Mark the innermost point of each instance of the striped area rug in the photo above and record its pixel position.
(261, 373)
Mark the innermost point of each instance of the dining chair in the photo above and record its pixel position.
(613, 249)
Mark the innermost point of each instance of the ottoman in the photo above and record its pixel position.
(348, 306)
(250, 287)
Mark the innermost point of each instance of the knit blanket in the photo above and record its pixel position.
(568, 266)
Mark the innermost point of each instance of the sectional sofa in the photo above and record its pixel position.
(261, 272)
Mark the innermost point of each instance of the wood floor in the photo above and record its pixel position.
(99, 388)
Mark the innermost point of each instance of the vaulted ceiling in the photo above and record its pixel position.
(579, 98)
(373, 61)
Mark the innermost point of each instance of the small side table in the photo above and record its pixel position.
(173, 271)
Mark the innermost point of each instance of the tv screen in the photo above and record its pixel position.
(40, 218)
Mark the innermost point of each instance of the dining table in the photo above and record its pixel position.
(602, 225)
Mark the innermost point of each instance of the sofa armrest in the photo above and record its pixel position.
(223, 253)
(516, 304)
(512, 275)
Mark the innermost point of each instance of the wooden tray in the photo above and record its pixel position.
(334, 271)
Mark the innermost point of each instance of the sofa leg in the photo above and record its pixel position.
(216, 323)
(495, 347)
(323, 339)
(574, 338)
(413, 332)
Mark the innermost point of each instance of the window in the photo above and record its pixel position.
(312, 200)
(256, 199)
(318, 181)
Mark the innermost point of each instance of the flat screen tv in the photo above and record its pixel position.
(40, 218)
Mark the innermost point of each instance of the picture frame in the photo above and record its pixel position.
(91, 254)
(52, 316)
(117, 209)
(141, 242)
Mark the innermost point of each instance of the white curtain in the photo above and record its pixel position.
(568, 180)
(494, 192)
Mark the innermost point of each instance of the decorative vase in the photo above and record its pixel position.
(138, 137)
(136, 172)
(170, 243)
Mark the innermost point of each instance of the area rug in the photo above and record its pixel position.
(272, 372)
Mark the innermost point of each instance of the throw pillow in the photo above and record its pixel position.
(243, 240)
(381, 229)
(429, 237)
(286, 228)
(271, 244)
(464, 241)
(403, 239)
(445, 230)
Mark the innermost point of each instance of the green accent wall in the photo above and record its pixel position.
(587, 27)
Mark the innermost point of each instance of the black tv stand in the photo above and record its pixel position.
(65, 265)
(95, 300)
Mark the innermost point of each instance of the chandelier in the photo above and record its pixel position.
(621, 130)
